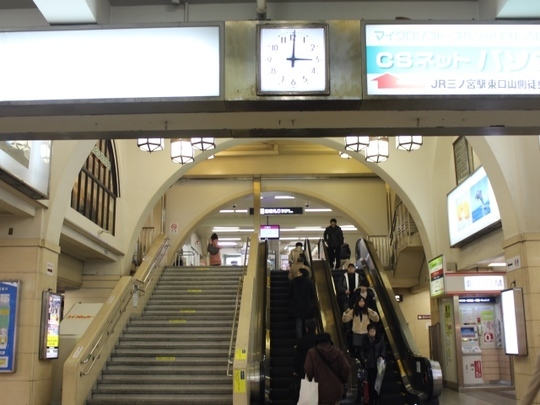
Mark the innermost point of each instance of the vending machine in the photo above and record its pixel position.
(472, 355)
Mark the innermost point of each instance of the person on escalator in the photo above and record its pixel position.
(328, 365)
(301, 263)
(372, 351)
(333, 239)
(346, 286)
(365, 291)
(361, 317)
(302, 300)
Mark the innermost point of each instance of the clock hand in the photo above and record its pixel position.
(293, 58)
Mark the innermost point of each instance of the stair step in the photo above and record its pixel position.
(177, 351)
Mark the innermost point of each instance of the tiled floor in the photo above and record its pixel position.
(478, 397)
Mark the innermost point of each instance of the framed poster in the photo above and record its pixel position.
(9, 305)
(51, 314)
(463, 161)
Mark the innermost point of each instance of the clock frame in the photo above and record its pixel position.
(292, 59)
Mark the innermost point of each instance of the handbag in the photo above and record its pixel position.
(309, 392)
(381, 368)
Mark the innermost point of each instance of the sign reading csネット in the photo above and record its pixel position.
(452, 59)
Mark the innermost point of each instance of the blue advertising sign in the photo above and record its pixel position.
(9, 299)
(452, 59)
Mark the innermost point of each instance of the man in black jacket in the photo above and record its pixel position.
(302, 300)
(333, 238)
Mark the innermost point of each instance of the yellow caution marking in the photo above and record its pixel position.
(188, 311)
(177, 321)
(194, 291)
(166, 358)
(241, 354)
(239, 381)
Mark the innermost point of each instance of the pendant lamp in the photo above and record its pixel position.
(409, 142)
(151, 144)
(377, 151)
(181, 151)
(203, 144)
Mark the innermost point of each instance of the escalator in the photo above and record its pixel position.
(419, 379)
(410, 378)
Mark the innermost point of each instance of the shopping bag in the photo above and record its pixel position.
(381, 368)
(309, 392)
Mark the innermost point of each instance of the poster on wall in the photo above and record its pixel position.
(436, 276)
(9, 303)
(51, 308)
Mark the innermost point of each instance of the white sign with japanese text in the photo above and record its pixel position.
(452, 59)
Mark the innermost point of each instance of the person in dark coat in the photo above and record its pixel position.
(333, 238)
(302, 300)
(366, 292)
(329, 367)
(346, 286)
(373, 348)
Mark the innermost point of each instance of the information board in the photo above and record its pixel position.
(9, 303)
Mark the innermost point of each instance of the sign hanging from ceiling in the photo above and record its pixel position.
(165, 62)
(452, 59)
(279, 211)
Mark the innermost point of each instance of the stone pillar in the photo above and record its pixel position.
(34, 263)
(526, 249)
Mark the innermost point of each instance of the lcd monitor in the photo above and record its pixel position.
(472, 209)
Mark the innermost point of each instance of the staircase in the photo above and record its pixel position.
(282, 339)
(177, 351)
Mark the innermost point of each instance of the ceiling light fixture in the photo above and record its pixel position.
(203, 144)
(150, 144)
(377, 151)
(356, 143)
(344, 155)
(409, 142)
(181, 151)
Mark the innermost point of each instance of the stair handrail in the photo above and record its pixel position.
(234, 329)
(147, 270)
(85, 362)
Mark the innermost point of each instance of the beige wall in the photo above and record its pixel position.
(412, 306)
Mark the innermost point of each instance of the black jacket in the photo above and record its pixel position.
(333, 236)
(371, 350)
(305, 343)
(302, 298)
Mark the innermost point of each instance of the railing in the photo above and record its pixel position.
(86, 361)
(234, 328)
(248, 363)
(402, 229)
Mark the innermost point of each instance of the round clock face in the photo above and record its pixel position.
(292, 60)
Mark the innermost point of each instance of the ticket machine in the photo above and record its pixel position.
(472, 355)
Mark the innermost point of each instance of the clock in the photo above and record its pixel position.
(292, 59)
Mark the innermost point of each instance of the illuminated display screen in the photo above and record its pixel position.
(472, 209)
(269, 232)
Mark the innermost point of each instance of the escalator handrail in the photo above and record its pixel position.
(421, 376)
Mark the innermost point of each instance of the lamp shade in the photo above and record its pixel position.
(409, 142)
(150, 144)
(356, 143)
(203, 144)
(344, 155)
(377, 151)
(181, 151)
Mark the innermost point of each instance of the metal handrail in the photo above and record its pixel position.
(236, 310)
(233, 330)
(141, 284)
(106, 332)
